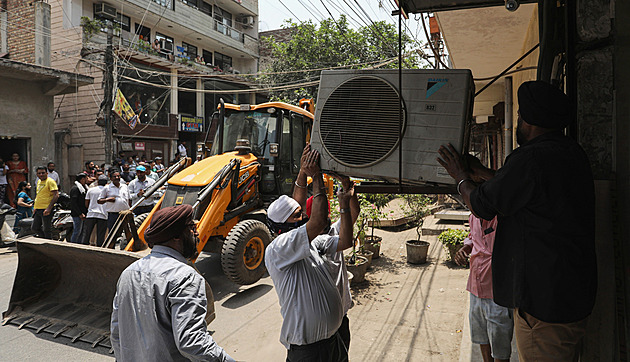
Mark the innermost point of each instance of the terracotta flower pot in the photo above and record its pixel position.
(358, 269)
(374, 245)
(417, 251)
(368, 254)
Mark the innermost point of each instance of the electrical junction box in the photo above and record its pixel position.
(359, 123)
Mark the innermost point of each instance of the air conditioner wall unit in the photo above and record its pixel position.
(357, 122)
(105, 10)
(247, 21)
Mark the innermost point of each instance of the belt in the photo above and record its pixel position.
(314, 344)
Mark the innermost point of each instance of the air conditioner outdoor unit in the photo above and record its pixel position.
(357, 122)
(247, 21)
(105, 10)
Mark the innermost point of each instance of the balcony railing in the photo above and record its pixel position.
(229, 31)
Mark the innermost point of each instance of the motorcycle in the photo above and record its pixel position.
(6, 209)
(62, 225)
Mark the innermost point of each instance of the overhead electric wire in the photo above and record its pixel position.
(290, 11)
(437, 55)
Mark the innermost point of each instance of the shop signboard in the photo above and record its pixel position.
(190, 124)
(139, 146)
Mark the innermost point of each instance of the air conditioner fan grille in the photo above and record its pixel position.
(359, 122)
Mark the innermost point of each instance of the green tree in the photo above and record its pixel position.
(330, 44)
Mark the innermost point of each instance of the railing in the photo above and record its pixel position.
(166, 3)
(229, 31)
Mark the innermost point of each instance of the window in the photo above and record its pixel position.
(222, 16)
(166, 42)
(143, 32)
(223, 20)
(190, 51)
(205, 8)
(166, 3)
(222, 61)
(192, 3)
(124, 21)
(151, 104)
(207, 56)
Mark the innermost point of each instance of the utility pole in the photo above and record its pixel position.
(108, 80)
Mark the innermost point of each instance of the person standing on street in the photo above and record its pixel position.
(491, 325)
(543, 260)
(181, 149)
(17, 173)
(337, 263)
(160, 304)
(310, 302)
(127, 175)
(78, 209)
(4, 170)
(96, 214)
(115, 197)
(159, 167)
(47, 195)
(24, 204)
(52, 173)
(138, 187)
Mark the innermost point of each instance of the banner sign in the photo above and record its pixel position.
(190, 124)
(124, 111)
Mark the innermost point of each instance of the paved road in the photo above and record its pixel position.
(402, 313)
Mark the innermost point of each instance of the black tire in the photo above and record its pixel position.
(138, 220)
(243, 253)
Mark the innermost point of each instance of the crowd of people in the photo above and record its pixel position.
(97, 196)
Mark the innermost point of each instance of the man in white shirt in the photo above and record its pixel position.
(52, 173)
(297, 261)
(96, 214)
(182, 149)
(115, 198)
(337, 263)
(138, 187)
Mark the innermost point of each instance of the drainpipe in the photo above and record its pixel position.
(507, 128)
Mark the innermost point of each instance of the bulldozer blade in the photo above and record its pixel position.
(66, 289)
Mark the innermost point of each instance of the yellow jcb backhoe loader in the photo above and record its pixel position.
(67, 289)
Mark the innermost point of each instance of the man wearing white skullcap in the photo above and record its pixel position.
(310, 302)
(280, 210)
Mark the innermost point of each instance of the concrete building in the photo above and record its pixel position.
(28, 86)
(204, 48)
(584, 46)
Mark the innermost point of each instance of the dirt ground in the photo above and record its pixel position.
(406, 312)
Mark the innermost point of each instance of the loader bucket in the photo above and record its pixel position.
(66, 289)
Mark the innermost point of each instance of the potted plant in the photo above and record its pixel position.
(453, 240)
(91, 27)
(356, 261)
(415, 206)
(378, 201)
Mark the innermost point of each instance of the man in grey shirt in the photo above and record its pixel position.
(160, 301)
(310, 302)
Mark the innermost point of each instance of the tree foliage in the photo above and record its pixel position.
(331, 44)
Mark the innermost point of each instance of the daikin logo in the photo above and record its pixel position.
(434, 84)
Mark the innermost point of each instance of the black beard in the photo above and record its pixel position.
(520, 137)
(189, 250)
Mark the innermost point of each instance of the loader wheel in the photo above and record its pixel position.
(138, 220)
(243, 254)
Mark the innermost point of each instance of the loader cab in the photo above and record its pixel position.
(277, 137)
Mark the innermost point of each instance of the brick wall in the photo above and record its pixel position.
(21, 30)
(279, 35)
